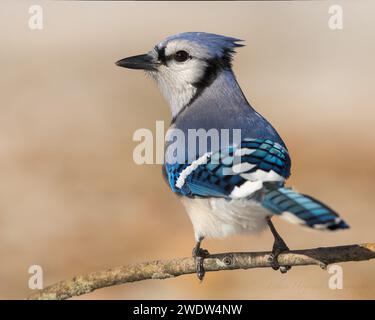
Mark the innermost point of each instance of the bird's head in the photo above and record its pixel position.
(185, 64)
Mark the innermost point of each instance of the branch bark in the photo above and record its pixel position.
(84, 284)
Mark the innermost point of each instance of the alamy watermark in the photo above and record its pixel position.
(336, 280)
(36, 280)
(336, 18)
(36, 17)
(181, 146)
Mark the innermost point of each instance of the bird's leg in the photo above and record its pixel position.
(199, 254)
(279, 246)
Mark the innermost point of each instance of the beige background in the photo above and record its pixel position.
(73, 201)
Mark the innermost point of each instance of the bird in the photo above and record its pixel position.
(238, 185)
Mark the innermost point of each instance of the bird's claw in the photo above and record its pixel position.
(273, 259)
(274, 263)
(285, 269)
(199, 255)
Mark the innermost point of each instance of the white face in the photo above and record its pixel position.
(184, 65)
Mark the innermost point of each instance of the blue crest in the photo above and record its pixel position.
(217, 45)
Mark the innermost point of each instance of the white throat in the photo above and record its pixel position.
(175, 90)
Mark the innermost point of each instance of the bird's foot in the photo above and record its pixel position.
(278, 248)
(275, 264)
(199, 255)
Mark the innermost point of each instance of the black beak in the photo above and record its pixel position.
(142, 61)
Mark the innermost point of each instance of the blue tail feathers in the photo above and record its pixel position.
(302, 209)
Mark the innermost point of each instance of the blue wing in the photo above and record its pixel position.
(231, 172)
(239, 172)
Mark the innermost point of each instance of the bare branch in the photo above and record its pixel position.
(224, 261)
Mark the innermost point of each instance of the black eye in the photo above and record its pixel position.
(181, 56)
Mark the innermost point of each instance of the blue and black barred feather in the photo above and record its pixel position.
(306, 210)
(268, 156)
(211, 179)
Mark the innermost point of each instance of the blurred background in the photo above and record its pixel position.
(73, 201)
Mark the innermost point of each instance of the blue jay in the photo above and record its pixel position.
(236, 187)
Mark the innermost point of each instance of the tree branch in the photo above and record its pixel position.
(224, 261)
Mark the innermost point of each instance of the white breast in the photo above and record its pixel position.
(219, 218)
